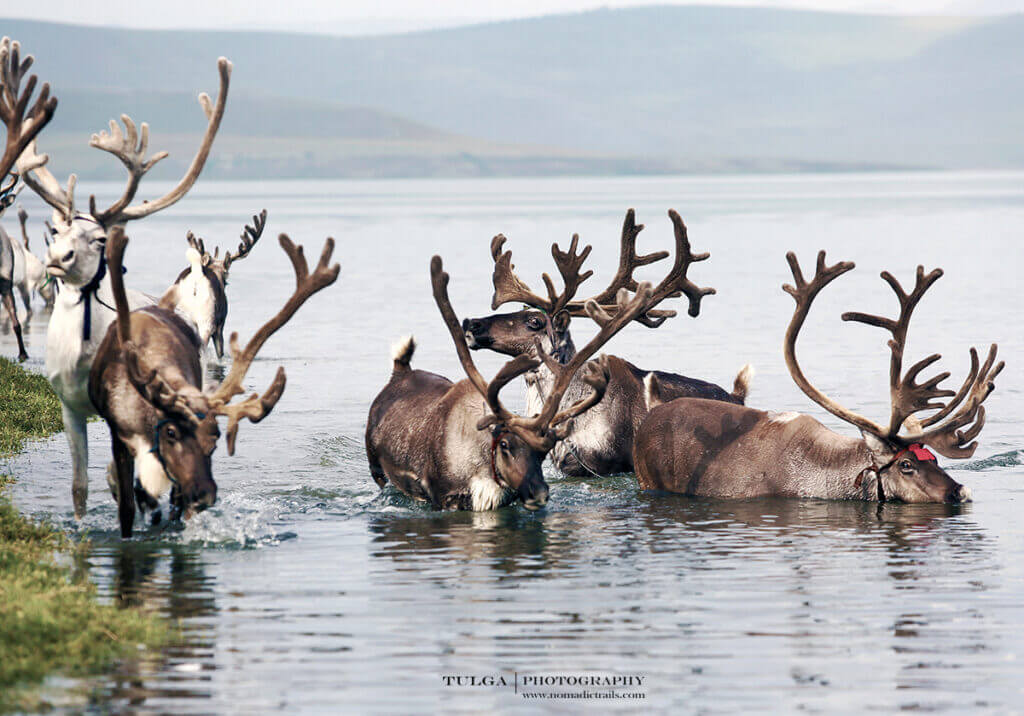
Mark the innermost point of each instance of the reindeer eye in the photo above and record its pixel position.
(504, 444)
(171, 433)
(905, 466)
(535, 323)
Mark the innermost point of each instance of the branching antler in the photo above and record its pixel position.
(23, 124)
(540, 431)
(130, 148)
(256, 407)
(250, 235)
(508, 287)
(907, 395)
(32, 167)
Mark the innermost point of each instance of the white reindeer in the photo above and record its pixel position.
(85, 307)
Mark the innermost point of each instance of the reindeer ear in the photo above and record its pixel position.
(560, 321)
(881, 450)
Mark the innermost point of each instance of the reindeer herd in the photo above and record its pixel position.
(139, 362)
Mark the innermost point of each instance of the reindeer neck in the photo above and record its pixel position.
(835, 464)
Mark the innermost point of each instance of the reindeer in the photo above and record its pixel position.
(28, 275)
(600, 442)
(455, 445)
(199, 291)
(714, 449)
(146, 383)
(23, 125)
(75, 258)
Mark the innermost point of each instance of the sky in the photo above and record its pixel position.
(355, 17)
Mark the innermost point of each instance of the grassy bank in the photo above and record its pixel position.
(50, 622)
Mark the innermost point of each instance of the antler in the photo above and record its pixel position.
(537, 431)
(256, 407)
(804, 293)
(23, 124)
(32, 168)
(674, 284)
(130, 148)
(250, 235)
(908, 396)
(197, 244)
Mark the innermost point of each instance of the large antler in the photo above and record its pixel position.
(250, 235)
(32, 167)
(130, 147)
(674, 284)
(257, 407)
(908, 396)
(23, 124)
(538, 431)
(804, 293)
(508, 287)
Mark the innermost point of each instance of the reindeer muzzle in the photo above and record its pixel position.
(477, 335)
(534, 494)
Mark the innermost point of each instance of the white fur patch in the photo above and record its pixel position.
(782, 417)
(486, 494)
(403, 348)
(151, 472)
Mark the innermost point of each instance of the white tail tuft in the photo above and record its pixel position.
(402, 350)
(741, 386)
(652, 391)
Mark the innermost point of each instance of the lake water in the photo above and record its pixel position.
(307, 588)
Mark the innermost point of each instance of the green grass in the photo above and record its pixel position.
(50, 620)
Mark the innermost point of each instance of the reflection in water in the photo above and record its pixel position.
(169, 579)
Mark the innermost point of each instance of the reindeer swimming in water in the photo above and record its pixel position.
(714, 449)
(599, 442)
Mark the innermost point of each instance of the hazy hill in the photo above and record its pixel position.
(648, 89)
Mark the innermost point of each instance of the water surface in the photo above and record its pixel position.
(307, 588)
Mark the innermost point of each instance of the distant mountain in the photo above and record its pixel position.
(647, 89)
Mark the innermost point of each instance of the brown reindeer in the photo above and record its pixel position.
(147, 384)
(23, 125)
(701, 447)
(455, 445)
(75, 259)
(600, 442)
(200, 291)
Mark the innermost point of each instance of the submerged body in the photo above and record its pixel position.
(453, 469)
(600, 441)
(710, 449)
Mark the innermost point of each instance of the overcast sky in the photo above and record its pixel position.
(368, 16)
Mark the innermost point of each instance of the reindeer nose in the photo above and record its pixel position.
(204, 498)
(472, 325)
(962, 494)
(537, 499)
(68, 256)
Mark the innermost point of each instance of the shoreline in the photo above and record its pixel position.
(51, 620)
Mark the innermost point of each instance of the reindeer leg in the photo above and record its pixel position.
(218, 341)
(8, 300)
(376, 471)
(26, 299)
(74, 427)
(125, 467)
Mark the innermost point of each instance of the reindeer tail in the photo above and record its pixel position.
(652, 391)
(116, 244)
(741, 386)
(401, 353)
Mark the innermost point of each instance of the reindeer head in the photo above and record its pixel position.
(545, 322)
(518, 444)
(185, 431)
(76, 254)
(902, 466)
(220, 266)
